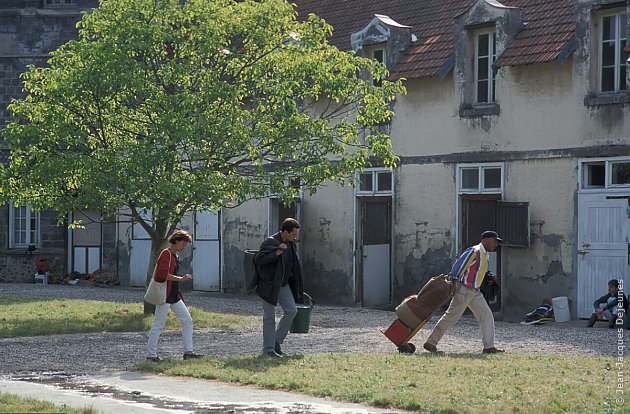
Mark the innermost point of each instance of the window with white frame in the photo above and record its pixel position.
(605, 173)
(480, 178)
(378, 55)
(294, 183)
(611, 55)
(23, 226)
(374, 182)
(485, 55)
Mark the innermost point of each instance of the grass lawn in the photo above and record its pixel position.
(10, 403)
(450, 383)
(25, 316)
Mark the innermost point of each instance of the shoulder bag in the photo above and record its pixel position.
(156, 291)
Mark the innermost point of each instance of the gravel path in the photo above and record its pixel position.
(332, 329)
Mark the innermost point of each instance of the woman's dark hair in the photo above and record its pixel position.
(179, 235)
(289, 224)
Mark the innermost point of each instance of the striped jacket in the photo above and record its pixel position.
(471, 267)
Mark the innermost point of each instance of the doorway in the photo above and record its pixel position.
(87, 242)
(603, 249)
(375, 247)
(479, 213)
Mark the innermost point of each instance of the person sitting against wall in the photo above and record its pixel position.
(611, 306)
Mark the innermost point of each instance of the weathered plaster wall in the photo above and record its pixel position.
(546, 269)
(327, 236)
(243, 228)
(424, 211)
(325, 241)
(427, 122)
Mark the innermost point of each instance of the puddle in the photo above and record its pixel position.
(88, 385)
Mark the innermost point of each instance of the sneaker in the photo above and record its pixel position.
(430, 347)
(277, 349)
(591, 321)
(271, 354)
(192, 355)
(492, 350)
(154, 359)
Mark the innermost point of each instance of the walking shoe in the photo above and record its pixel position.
(154, 359)
(271, 354)
(277, 349)
(192, 355)
(492, 350)
(591, 322)
(430, 347)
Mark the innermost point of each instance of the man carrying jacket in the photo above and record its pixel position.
(279, 278)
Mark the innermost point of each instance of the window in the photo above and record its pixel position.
(378, 55)
(605, 173)
(23, 226)
(294, 183)
(486, 178)
(485, 55)
(374, 182)
(620, 173)
(60, 2)
(611, 56)
(594, 175)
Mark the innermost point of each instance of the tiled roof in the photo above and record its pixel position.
(550, 26)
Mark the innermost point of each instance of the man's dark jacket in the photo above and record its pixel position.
(270, 270)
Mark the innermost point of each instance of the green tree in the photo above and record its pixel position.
(171, 106)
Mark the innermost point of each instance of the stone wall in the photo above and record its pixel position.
(29, 30)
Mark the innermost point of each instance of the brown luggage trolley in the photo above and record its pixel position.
(415, 311)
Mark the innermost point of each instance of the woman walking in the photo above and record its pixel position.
(166, 270)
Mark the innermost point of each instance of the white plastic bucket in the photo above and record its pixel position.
(41, 279)
(561, 309)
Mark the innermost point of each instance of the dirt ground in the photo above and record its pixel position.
(332, 329)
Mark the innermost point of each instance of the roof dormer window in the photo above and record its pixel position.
(378, 54)
(611, 57)
(485, 55)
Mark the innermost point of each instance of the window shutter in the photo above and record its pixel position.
(513, 223)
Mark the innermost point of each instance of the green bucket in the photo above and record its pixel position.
(302, 320)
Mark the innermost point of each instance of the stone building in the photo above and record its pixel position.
(29, 30)
(515, 118)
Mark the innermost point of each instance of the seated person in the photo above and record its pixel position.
(608, 306)
(542, 314)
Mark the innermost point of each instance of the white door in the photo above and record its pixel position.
(86, 242)
(375, 245)
(206, 263)
(603, 246)
(140, 246)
